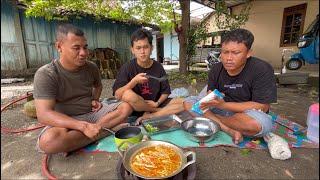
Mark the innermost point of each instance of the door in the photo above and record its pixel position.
(38, 38)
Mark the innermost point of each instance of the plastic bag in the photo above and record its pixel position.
(179, 92)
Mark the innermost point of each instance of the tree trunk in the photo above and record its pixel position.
(183, 38)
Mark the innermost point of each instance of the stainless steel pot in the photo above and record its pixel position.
(131, 151)
(200, 129)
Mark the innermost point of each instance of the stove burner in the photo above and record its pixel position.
(189, 173)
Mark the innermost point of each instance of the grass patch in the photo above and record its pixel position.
(191, 77)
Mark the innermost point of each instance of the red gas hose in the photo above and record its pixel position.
(9, 130)
(45, 159)
(44, 167)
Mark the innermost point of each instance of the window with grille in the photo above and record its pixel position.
(292, 24)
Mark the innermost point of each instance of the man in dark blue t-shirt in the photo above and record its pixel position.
(249, 86)
(147, 96)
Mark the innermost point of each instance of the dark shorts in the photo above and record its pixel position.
(138, 114)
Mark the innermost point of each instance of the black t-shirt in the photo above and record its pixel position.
(150, 90)
(256, 82)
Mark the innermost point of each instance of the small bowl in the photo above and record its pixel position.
(200, 129)
(111, 100)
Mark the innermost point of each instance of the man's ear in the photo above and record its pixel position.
(250, 53)
(58, 46)
(131, 49)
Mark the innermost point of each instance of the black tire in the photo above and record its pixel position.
(294, 64)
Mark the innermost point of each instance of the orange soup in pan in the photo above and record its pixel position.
(155, 161)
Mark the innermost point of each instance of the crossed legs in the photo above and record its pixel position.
(173, 107)
(56, 139)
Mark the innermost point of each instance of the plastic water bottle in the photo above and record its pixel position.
(213, 95)
(313, 123)
(278, 147)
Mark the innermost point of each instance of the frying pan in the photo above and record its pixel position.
(130, 134)
(134, 149)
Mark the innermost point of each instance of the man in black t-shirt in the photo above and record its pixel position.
(249, 86)
(147, 96)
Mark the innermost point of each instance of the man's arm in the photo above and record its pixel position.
(48, 116)
(138, 79)
(235, 106)
(96, 92)
(243, 106)
(162, 98)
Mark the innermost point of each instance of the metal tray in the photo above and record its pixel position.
(162, 124)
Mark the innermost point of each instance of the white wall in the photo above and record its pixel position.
(154, 51)
(171, 46)
(265, 22)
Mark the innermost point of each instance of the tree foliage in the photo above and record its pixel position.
(226, 20)
(158, 12)
(196, 34)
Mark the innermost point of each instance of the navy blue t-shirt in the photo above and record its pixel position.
(256, 82)
(150, 90)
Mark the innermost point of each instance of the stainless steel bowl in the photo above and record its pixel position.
(200, 129)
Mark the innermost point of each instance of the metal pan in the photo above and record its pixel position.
(131, 151)
(198, 129)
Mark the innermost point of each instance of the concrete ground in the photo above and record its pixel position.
(20, 160)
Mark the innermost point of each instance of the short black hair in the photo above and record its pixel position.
(64, 29)
(240, 36)
(140, 34)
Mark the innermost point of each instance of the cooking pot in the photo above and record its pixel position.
(200, 129)
(126, 135)
(133, 149)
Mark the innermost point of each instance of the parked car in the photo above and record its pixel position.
(308, 45)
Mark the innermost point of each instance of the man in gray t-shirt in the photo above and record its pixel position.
(67, 93)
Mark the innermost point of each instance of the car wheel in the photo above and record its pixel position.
(294, 64)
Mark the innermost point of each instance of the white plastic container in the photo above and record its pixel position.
(213, 95)
(313, 123)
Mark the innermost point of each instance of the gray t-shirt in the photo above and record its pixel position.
(71, 90)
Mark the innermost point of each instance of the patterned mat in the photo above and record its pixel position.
(294, 133)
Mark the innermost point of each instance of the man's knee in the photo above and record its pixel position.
(263, 119)
(125, 109)
(49, 139)
(130, 97)
(253, 127)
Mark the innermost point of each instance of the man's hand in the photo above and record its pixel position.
(96, 105)
(91, 130)
(218, 103)
(140, 78)
(152, 103)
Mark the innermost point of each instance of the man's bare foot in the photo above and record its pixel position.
(236, 136)
(144, 117)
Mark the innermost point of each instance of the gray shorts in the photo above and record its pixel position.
(261, 117)
(91, 117)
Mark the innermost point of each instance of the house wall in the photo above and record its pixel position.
(29, 42)
(154, 45)
(265, 22)
(171, 46)
(12, 49)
